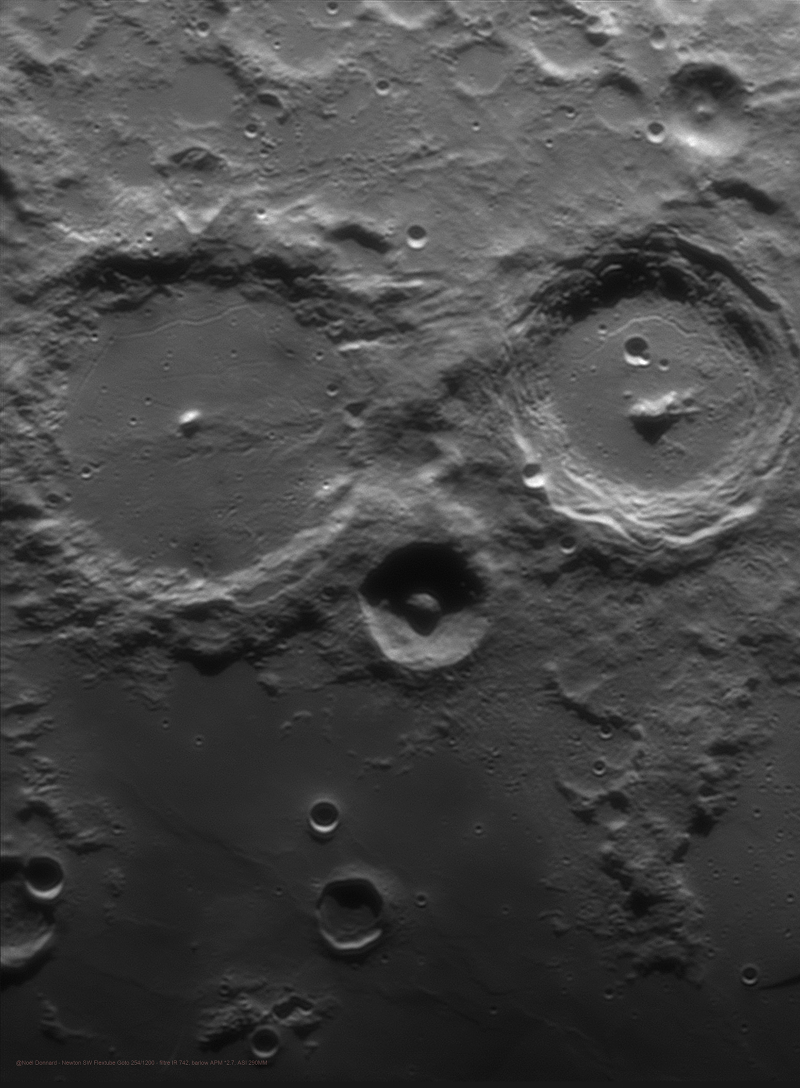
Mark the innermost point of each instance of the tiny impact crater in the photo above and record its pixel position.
(637, 351)
(416, 237)
(749, 975)
(265, 1042)
(323, 819)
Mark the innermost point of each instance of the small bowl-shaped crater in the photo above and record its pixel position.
(705, 89)
(351, 916)
(416, 237)
(323, 819)
(637, 351)
(533, 476)
(44, 878)
(265, 1042)
(749, 975)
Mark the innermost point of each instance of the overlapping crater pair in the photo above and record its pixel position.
(652, 390)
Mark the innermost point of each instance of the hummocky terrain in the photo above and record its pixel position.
(401, 578)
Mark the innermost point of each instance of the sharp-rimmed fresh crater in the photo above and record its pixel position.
(421, 605)
(265, 1043)
(44, 878)
(656, 385)
(323, 819)
(351, 916)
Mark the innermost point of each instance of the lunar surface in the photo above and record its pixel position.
(401, 540)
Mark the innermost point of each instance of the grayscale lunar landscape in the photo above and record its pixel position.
(401, 541)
